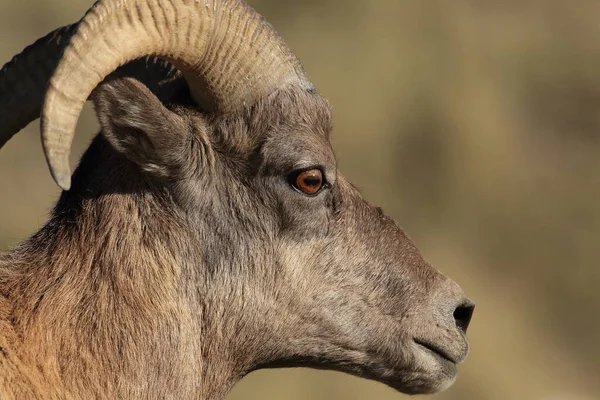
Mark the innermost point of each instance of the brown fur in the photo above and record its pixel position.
(181, 260)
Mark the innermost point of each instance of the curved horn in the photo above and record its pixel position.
(228, 55)
(24, 79)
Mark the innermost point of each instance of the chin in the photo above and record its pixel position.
(423, 382)
(427, 374)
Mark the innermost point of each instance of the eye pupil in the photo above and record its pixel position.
(309, 182)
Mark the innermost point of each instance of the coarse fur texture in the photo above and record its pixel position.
(186, 250)
(179, 263)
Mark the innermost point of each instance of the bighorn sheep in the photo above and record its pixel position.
(206, 232)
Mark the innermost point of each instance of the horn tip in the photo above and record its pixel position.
(61, 175)
(63, 181)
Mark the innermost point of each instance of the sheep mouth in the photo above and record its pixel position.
(435, 351)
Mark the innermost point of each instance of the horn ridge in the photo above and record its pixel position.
(223, 70)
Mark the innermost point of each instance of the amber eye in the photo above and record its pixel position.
(308, 182)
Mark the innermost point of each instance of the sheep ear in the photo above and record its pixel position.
(138, 125)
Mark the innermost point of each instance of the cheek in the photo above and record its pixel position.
(299, 262)
(304, 222)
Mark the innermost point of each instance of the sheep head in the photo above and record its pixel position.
(295, 267)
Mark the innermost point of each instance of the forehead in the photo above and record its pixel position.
(299, 134)
(295, 150)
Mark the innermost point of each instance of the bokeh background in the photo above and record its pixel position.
(476, 124)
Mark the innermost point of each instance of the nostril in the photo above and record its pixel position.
(463, 314)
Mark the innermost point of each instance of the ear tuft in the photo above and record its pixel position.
(138, 125)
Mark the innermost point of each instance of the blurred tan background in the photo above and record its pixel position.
(476, 124)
